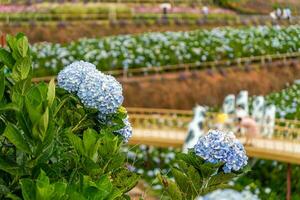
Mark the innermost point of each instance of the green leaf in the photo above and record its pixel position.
(9, 107)
(171, 188)
(22, 87)
(12, 42)
(14, 135)
(60, 190)
(43, 188)
(76, 142)
(28, 189)
(40, 128)
(2, 84)
(21, 69)
(91, 144)
(11, 168)
(51, 92)
(209, 169)
(125, 180)
(6, 58)
(22, 45)
(181, 180)
(221, 178)
(13, 197)
(191, 159)
(3, 188)
(19, 35)
(34, 110)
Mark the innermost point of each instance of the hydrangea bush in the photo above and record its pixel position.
(223, 147)
(161, 49)
(95, 90)
(287, 102)
(53, 144)
(217, 158)
(65, 142)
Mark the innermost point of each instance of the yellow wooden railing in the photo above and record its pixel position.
(164, 128)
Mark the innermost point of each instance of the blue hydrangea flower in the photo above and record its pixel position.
(218, 146)
(229, 194)
(126, 132)
(73, 75)
(102, 92)
(95, 90)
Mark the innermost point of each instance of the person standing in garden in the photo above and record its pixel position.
(251, 128)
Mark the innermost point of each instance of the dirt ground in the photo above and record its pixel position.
(185, 89)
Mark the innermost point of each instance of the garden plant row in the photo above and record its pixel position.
(157, 49)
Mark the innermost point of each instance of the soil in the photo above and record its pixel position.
(183, 90)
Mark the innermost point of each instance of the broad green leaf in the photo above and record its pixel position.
(22, 45)
(51, 92)
(44, 152)
(101, 189)
(171, 188)
(22, 87)
(3, 189)
(92, 167)
(15, 136)
(209, 169)
(195, 178)
(76, 142)
(90, 138)
(9, 107)
(44, 190)
(221, 178)
(40, 128)
(28, 189)
(2, 84)
(182, 180)
(13, 197)
(104, 184)
(21, 69)
(11, 168)
(12, 42)
(19, 35)
(6, 58)
(125, 180)
(59, 190)
(34, 110)
(191, 159)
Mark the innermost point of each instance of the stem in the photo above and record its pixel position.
(77, 126)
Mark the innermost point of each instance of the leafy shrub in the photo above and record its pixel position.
(287, 102)
(51, 145)
(65, 143)
(198, 174)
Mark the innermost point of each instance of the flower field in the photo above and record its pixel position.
(170, 48)
(287, 102)
(71, 69)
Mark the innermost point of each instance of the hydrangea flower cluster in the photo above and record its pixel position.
(229, 194)
(218, 146)
(95, 90)
(169, 48)
(126, 132)
(71, 77)
(287, 101)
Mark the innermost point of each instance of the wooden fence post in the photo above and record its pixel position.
(288, 182)
(2, 39)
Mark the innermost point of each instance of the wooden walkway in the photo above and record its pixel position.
(165, 128)
(272, 149)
